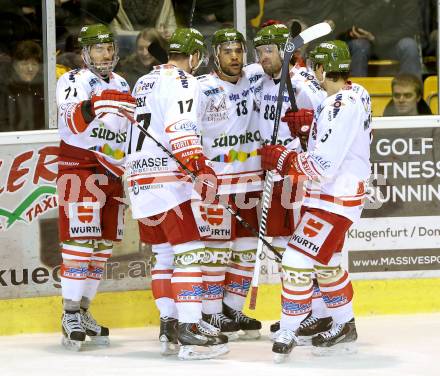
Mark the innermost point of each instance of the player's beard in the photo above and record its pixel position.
(271, 68)
(232, 71)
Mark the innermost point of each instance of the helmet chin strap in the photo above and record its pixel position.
(323, 78)
(190, 62)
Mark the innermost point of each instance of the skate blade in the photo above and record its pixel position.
(304, 340)
(188, 352)
(232, 336)
(345, 348)
(280, 358)
(249, 335)
(99, 340)
(167, 348)
(71, 345)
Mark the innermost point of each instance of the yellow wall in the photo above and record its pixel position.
(136, 308)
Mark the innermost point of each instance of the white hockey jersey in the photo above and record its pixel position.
(106, 134)
(338, 153)
(308, 94)
(167, 101)
(230, 138)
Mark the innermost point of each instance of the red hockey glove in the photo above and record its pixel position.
(299, 122)
(277, 157)
(110, 101)
(206, 181)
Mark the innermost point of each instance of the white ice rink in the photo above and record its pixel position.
(387, 345)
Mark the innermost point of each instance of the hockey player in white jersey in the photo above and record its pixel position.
(161, 191)
(269, 44)
(89, 185)
(336, 167)
(231, 141)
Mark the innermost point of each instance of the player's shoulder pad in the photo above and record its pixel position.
(210, 85)
(358, 92)
(145, 84)
(342, 101)
(75, 76)
(253, 72)
(183, 79)
(307, 77)
(121, 82)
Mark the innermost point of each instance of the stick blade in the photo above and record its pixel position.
(315, 32)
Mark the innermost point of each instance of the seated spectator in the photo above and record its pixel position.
(141, 62)
(22, 91)
(407, 97)
(376, 33)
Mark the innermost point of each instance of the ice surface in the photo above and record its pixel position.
(387, 345)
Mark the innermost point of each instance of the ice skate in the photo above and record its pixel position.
(168, 336)
(248, 325)
(340, 339)
(273, 329)
(284, 341)
(98, 334)
(201, 341)
(311, 326)
(227, 326)
(74, 334)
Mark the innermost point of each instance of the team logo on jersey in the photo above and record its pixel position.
(84, 219)
(181, 126)
(213, 91)
(217, 111)
(221, 106)
(85, 214)
(311, 234)
(93, 82)
(337, 105)
(183, 79)
(219, 220)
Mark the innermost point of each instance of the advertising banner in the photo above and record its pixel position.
(399, 232)
(398, 235)
(29, 251)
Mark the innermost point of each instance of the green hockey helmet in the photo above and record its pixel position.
(273, 34)
(188, 41)
(334, 56)
(92, 35)
(222, 36)
(227, 35)
(95, 34)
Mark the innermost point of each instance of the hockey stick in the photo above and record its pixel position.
(191, 15)
(295, 29)
(193, 176)
(312, 33)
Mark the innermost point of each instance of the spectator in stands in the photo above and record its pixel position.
(139, 14)
(385, 30)
(309, 12)
(22, 92)
(407, 97)
(141, 62)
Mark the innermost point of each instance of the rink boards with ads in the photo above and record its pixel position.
(393, 256)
